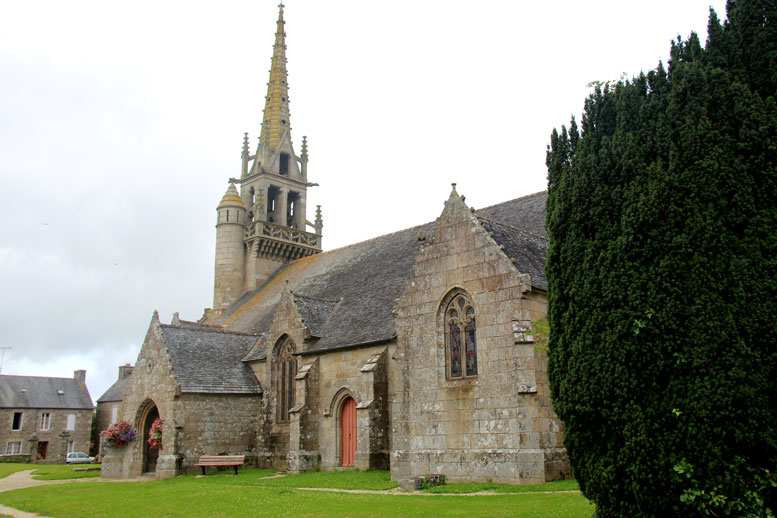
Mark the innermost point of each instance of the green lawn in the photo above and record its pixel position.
(223, 495)
(64, 471)
(8, 468)
(49, 471)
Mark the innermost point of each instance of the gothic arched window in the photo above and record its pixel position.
(286, 366)
(460, 343)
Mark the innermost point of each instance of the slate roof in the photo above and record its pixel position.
(526, 213)
(39, 392)
(367, 277)
(527, 250)
(115, 392)
(208, 360)
(315, 312)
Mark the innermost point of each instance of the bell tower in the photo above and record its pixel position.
(273, 189)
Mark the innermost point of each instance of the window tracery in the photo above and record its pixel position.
(460, 338)
(286, 366)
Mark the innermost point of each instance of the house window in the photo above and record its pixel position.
(286, 371)
(115, 415)
(45, 421)
(71, 446)
(13, 448)
(17, 421)
(460, 341)
(71, 422)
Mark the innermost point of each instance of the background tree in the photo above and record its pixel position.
(662, 268)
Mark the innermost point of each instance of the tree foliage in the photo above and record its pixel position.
(662, 269)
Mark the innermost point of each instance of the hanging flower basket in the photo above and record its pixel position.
(155, 434)
(119, 435)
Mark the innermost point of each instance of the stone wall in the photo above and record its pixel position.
(496, 425)
(361, 374)
(104, 419)
(214, 424)
(57, 436)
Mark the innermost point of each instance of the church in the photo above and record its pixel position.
(412, 351)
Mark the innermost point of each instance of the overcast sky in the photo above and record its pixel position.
(120, 124)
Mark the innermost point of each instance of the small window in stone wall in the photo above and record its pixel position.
(13, 448)
(460, 340)
(71, 446)
(286, 371)
(71, 422)
(16, 424)
(283, 166)
(115, 415)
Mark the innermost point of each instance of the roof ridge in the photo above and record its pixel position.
(195, 323)
(518, 229)
(39, 377)
(514, 199)
(365, 241)
(211, 329)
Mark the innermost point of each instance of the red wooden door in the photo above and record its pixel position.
(348, 431)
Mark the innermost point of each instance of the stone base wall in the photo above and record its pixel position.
(507, 466)
(21, 458)
(302, 461)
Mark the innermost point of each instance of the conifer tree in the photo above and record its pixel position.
(662, 270)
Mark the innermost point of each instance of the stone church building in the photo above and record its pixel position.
(411, 352)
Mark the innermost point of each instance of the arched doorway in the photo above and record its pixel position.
(348, 431)
(150, 455)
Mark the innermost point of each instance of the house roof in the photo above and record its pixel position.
(208, 360)
(40, 392)
(115, 392)
(366, 278)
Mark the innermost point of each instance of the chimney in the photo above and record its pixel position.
(125, 370)
(80, 377)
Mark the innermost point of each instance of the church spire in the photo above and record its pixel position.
(275, 137)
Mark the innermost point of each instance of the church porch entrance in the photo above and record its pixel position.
(150, 455)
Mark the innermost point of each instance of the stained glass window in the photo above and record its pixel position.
(287, 370)
(461, 344)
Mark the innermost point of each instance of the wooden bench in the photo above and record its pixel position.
(221, 460)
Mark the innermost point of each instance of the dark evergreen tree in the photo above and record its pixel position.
(662, 269)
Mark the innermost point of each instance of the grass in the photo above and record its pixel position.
(477, 487)
(223, 495)
(49, 471)
(64, 471)
(9, 468)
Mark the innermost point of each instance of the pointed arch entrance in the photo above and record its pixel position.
(147, 415)
(348, 432)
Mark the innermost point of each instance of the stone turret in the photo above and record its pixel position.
(230, 255)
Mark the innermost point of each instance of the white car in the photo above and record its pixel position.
(78, 457)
